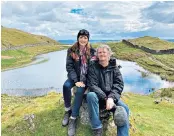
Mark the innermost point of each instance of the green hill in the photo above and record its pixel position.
(152, 43)
(13, 37)
(24, 55)
(162, 64)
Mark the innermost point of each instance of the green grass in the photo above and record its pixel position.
(24, 56)
(124, 52)
(149, 118)
(166, 59)
(153, 43)
(146, 118)
(148, 61)
(164, 92)
(48, 115)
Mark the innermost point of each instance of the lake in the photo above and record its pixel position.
(39, 79)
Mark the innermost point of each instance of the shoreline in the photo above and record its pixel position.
(33, 59)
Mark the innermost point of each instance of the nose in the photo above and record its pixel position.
(83, 39)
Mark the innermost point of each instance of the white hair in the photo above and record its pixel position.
(104, 46)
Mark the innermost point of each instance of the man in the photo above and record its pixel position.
(105, 86)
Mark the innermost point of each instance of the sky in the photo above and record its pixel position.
(61, 20)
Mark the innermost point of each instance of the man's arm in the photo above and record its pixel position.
(92, 82)
(117, 86)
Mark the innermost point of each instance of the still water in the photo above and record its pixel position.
(39, 79)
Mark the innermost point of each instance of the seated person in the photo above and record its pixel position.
(105, 85)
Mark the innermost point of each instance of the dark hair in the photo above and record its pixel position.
(75, 48)
(83, 32)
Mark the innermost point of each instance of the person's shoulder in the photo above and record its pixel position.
(113, 62)
(92, 49)
(93, 63)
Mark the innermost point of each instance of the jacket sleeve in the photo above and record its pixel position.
(70, 67)
(117, 86)
(92, 83)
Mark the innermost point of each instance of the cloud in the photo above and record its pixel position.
(63, 20)
(160, 12)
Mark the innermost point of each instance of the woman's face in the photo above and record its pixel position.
(103, 54)
(83, 40)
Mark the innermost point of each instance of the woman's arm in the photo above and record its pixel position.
(70, 67)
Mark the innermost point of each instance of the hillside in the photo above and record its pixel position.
(46, 112)
(22, 47)
(152, 43)
(162, 64)
(13, 37)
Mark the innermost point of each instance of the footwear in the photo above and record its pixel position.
(72, 127)
(66, 118)
(98, 132)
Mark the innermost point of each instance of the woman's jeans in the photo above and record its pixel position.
(77, 99)
(93, 108)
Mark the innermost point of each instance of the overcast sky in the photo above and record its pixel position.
(104, 20)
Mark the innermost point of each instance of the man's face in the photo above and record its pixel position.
(83, 40)
(103, 54)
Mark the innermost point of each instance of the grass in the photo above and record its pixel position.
(153, 43)
(146, 118)
(48, 114)
(165, 92)
(162, 65)
(124, 52)
(166, 59)
(149, 118)
(14, 37)
(24, 56)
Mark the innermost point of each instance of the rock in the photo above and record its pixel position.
(29, 119)
(156, 101)
(84, 115)
(109, 127)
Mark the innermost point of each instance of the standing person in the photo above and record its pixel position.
(105, 87)
(78, 57)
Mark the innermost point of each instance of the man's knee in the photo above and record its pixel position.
(126, 108)
(91, 96)
(121, 103)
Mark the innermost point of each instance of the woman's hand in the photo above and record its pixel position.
(109, 103)
(80, 84)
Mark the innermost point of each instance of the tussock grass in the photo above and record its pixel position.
(146, 117)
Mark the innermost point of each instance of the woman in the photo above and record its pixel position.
(78, 57)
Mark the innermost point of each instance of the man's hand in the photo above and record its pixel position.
(80, 84)
(109, 103)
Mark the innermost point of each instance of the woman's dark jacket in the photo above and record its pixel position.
(73, 66)
(106, 82)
